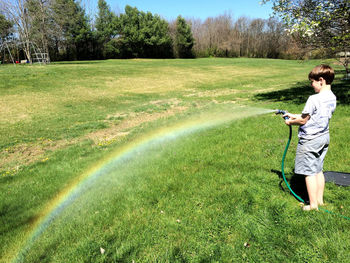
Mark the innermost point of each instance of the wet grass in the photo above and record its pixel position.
(213, 195)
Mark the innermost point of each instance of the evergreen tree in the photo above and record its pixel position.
(5, 28)
(184, 40)
(143, 35)
(73, 29)
(105, 31)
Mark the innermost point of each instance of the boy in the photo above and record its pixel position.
(314, 133)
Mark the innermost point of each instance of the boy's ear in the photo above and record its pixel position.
(322, 80)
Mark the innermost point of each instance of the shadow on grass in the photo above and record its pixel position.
(19, 219)
(296, 183)
(299, 93)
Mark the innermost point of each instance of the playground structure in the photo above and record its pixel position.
(15, 52)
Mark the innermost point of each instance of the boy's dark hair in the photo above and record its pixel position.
(322, 71)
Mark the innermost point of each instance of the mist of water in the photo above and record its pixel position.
(207, 118)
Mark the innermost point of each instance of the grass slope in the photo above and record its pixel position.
(214, 195)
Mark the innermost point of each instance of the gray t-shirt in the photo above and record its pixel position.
(320, 107)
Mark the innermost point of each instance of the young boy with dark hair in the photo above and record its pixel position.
(314, 133)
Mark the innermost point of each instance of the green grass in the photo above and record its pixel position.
(211, 195)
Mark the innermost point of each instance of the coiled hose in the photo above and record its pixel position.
(283, 158)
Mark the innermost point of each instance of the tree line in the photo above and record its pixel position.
(62, 29)
(222, 36)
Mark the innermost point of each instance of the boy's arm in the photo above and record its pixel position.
(297, 119)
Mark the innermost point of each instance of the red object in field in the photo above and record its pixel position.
(17, 62)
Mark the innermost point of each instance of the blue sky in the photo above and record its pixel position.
(192, 9)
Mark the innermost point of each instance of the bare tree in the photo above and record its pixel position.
(242, 27)
(198, 34)
(276, 37)
(257, 35)
(16, 11)
(225, 39)
(39, 15)
(215, 36)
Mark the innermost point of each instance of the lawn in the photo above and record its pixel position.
(162, 161)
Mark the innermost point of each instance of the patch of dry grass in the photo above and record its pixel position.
(177, 79)
(13, 158)
(46, 93)
(212, 93)
(27, 104)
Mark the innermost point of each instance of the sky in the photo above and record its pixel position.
(190, 8)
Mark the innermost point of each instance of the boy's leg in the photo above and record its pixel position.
(311, 185)
(320, 187)
(320, 175)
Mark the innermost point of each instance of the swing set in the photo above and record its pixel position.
(11, 51)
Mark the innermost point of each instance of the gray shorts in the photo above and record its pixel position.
(310, 155)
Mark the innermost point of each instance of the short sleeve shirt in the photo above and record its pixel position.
(320, 107)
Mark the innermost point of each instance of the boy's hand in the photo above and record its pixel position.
(295, 119)
(289, 115)
(287, 122)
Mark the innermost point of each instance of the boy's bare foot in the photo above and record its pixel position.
(308, 208)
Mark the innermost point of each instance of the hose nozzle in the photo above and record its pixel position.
(282, 112)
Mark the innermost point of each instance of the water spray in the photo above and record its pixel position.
(208, 117)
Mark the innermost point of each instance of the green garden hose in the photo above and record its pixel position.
(284, 156)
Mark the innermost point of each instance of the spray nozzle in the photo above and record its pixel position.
(283, 112)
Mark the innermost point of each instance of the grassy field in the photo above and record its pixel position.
(162, 161)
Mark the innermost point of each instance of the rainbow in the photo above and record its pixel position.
(68, 195)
